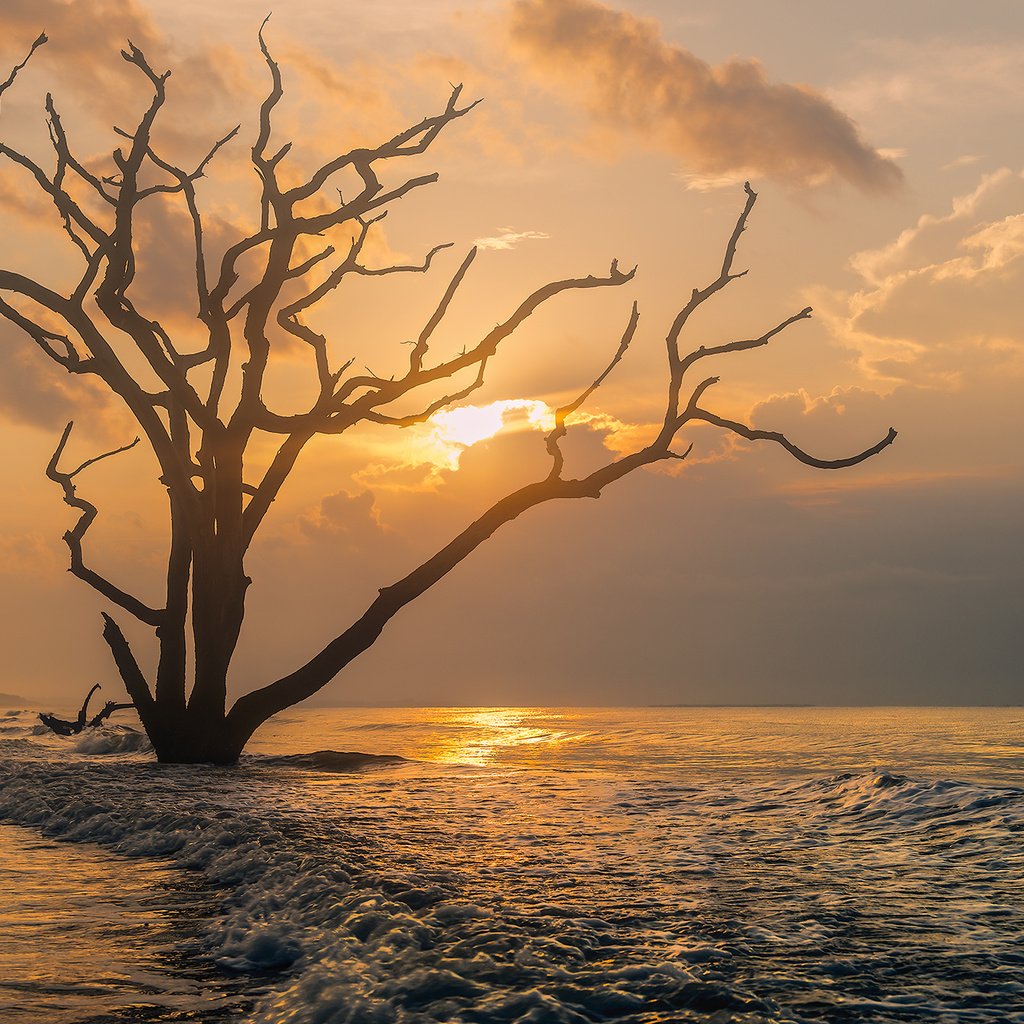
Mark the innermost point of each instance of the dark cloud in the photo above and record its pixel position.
(94, 87)
(37, 392)
(718, 589)
(86, 37)
(723, 120)
(165, 284)
(83, 36)
(343, 515)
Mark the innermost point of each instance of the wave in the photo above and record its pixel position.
(352, 943)
(23, 730)
(901, 799)
(111, 739)
(328, 760)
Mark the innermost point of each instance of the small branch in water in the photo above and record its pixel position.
(65, 728)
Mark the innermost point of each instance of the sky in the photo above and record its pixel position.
(882, 140)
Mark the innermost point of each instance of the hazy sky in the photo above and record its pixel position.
(884, 142)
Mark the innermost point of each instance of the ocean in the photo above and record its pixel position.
(521, 865)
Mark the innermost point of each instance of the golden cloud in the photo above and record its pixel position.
(942, 300)
(721, 121)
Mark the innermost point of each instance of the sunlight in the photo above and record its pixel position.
(472, 423)
(417, 460)
(478, 736)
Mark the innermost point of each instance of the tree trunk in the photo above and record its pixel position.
(194, 738)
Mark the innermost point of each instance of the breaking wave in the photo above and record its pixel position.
(111, 739)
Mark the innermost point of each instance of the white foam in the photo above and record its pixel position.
(111, 739)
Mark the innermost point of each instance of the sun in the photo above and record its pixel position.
(470, 424)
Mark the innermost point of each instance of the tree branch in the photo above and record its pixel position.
(40, 41)
(112, 371)
(70, 359)
(270, 486)
(743, 346)
(422, 342)
(385, 392)
(267, 168)
(131, 675)
(255, 707)
(426, 130)
(436, 406)
(69, 210)
(73, 537)
(801, 456)
(560, 430)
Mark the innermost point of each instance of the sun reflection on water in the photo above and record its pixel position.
(485, 735)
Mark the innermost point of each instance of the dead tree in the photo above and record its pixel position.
(200, 437)
(63, 727)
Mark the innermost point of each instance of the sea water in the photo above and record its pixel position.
(522, 865)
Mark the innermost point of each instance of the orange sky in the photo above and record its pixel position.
(891, 200)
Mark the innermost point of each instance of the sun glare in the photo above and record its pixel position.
(473, 423)
(485, 736)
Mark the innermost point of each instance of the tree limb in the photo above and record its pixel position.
(70, 359)
(420, 348)
(108, 709)
(73, 537)
(563, 412)
(131, 675)
(799, 454)
(9, 81)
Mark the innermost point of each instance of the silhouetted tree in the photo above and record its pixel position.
(200, 439)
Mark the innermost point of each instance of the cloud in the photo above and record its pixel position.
(508, 239)
(360, 96)
(85, 40)
(432, 456)
(99, 88)
(967, 160)
(353, 518)
(718, 120)
(26, 556)
(83, 37)
(21, 200)
(942, 299)
(37, 392)
(935, 78)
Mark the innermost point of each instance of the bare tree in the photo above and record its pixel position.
(200, 438)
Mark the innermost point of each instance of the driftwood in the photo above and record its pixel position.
(65, 728)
